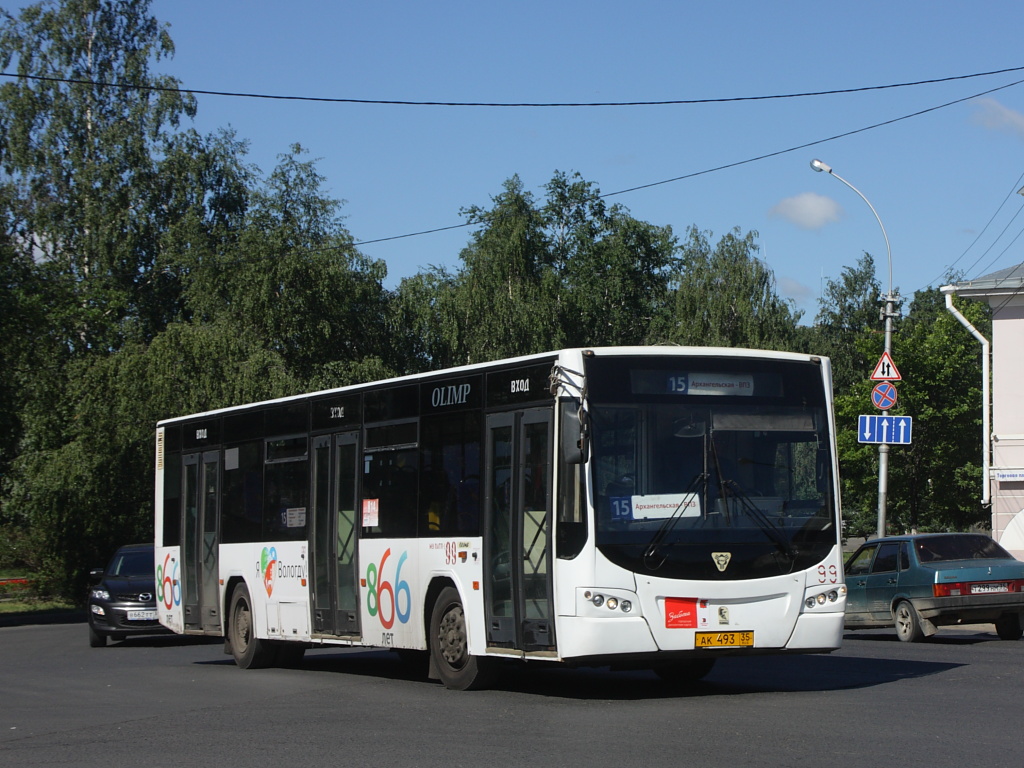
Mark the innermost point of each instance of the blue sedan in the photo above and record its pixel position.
(919, 583)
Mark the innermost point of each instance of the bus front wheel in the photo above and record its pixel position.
(449, 646)
(249, 651)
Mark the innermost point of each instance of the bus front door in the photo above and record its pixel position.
(201, 495)
(518, 526)
(333, 541)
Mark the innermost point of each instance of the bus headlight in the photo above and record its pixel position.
(823, 598)
(615, 604)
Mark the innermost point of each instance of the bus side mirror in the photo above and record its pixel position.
(575, 436)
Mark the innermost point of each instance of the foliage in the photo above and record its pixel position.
(82, 158)
(568, 271)
(725, 296)
(934, 483)
(848, 309)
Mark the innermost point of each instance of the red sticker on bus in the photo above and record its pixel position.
(681, 612)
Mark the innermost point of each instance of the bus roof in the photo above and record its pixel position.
(569, 356)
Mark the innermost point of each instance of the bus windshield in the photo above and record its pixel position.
(719, 472)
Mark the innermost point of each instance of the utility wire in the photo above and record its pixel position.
(999, 255)
(949, 267)
(410, 103)
(737, 163)
(155, 88)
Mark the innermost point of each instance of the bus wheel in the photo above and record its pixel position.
(249, 651)
(449, 646)
(684, 671)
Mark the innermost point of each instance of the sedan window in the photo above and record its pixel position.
(861, 562)
(888, 555)
(940, 548)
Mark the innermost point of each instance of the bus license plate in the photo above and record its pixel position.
(723, 640)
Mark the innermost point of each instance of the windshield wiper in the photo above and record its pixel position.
(700, 479)
(732, 490)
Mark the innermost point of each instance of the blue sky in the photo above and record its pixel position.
(942, 182)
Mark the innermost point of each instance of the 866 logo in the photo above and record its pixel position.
(385, 600)
(168, 587)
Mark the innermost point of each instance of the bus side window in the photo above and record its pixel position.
(390, 477)
(450, 474)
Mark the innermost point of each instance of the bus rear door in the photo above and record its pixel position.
(200, 496)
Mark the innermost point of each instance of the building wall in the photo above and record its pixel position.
(1007, 417)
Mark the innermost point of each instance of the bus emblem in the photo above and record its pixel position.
(721, 560)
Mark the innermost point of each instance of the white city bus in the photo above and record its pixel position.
(655, 507)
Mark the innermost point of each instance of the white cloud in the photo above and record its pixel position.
(795, 290)
(994, 116)
(808, 210)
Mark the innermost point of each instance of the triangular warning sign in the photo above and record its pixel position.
(886, 369)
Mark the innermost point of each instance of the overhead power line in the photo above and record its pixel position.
(411, 103)
(737, 163)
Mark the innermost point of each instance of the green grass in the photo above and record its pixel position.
(35, 605)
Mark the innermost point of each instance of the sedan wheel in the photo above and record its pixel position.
(908, 622)
(1008, 627)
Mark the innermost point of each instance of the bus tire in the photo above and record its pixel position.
(249, 651)
(683, 672)
(449, 646)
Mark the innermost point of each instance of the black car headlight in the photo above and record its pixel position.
(99, 594)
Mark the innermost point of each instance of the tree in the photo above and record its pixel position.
(293, 278)
(612, 271)
(934, 483)
(848, 309)
(726, 296)
(94, 489)
(570, 271)
(80, 133)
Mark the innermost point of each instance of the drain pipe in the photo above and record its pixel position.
(986, 427)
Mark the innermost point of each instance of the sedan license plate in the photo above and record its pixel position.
(989, 588)
(145, 615)
(723, 639)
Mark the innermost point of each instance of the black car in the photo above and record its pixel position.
(123, 600)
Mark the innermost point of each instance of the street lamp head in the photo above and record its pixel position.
(820, 166)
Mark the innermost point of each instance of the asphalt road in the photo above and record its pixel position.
(169, 701)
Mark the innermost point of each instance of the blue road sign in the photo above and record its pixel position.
(893, 430)
(883, 396)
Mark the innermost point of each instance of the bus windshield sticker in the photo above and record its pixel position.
(665, 505)
(295, 517)
(371, 513)
(719, 384)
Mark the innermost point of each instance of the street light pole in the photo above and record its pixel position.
(888, 314)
